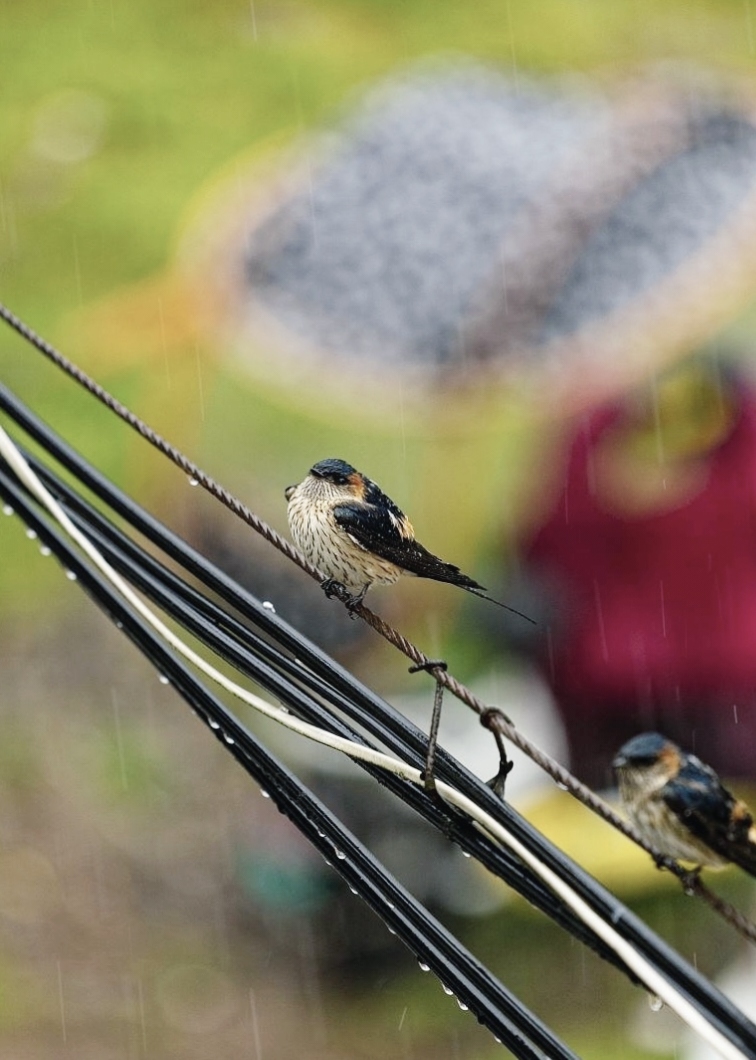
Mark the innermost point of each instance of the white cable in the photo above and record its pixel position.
(654, 980)
(339, 743)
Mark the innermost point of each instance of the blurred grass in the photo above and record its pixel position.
(187, 85)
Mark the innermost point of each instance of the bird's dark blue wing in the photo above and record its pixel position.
(384, 530)
(372, 526)
(711, 813)
(375, 499)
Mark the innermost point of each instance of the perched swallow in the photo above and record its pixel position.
(356, 535)
(681, 807)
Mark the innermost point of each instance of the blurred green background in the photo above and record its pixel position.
(126, 931)
(162, 101)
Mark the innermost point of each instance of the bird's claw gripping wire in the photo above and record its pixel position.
(689, 878)
(434, 667)
(333, 588)
(691, 881)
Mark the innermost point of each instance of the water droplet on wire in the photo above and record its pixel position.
(7, 510)
(31, 533)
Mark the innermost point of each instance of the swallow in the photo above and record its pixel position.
(681, 807)
(351, 531)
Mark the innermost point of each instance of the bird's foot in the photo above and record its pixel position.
(691, 880)
(333, 588)
(355, 602)
(664, 861)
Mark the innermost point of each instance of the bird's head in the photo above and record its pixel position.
(332, 479)
(646, 763)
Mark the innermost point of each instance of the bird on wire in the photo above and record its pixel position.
(680, 806)
(348, 528)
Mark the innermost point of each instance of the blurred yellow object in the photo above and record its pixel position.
(591, 842)
(654, 457)
(600, 849)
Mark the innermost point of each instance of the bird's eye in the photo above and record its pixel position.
(645, 760)
(338, 478)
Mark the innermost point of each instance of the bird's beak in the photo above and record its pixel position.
(619, 761)
(288, 491)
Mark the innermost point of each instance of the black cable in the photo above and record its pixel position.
(728, 1019)
(494, 720)
(493, 1005)
(282, 676)
(307, 664)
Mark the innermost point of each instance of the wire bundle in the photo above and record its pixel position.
(313, 687)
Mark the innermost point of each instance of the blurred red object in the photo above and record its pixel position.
(649, 556)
